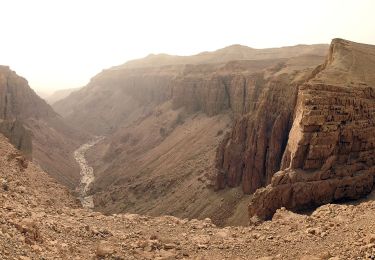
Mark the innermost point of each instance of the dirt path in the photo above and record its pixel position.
(87, 173)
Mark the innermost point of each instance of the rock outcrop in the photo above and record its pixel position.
(331, 145)
(18, 135)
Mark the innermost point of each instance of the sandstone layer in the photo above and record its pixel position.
(330, 151)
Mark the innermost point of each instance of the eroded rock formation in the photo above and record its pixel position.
(331, 146)
(252, 152)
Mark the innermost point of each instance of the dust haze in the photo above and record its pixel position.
(187, 130)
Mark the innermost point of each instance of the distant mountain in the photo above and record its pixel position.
(58, 95)
(42, 93)
(114, 95)
(233, 52)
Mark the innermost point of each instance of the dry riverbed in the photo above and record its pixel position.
(87, 173)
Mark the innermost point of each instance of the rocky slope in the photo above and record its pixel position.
(163, 124)
(331, 144)
(36, 129)
(40, 219)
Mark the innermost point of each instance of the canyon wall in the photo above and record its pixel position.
(331, 146)
(122, 94)
(34, 128)
(252, 151)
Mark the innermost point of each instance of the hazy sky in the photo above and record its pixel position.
(63, 43)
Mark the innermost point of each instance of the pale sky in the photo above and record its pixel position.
(58, 44)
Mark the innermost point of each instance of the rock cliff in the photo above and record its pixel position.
(34, 128)
(18, 135)
(252, 151)
(331, 144)
(210, 82)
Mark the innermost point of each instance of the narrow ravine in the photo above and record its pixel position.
(87, 172)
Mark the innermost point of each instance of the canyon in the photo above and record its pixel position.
(223, 150)
(197, 136)
(164, 117)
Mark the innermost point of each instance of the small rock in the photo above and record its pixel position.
(202, 246)
(22, 161)
(169, 246)
(312, 231)
(371, 238)
(104, 249)
(24, 257)
(4, 184)
(222, 233)
(310, 257)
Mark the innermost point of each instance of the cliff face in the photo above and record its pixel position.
(18, 100)
(252, 151)
(331, 145)
(34, 128)
(18, 135)
(201, 82)
(115, 97)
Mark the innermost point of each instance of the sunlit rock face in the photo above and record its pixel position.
(330, 150)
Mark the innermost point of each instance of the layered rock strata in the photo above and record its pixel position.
(331, 146)
(208, 82)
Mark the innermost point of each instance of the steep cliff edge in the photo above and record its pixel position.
(34, 128)
(331, 145)
(252, 151)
